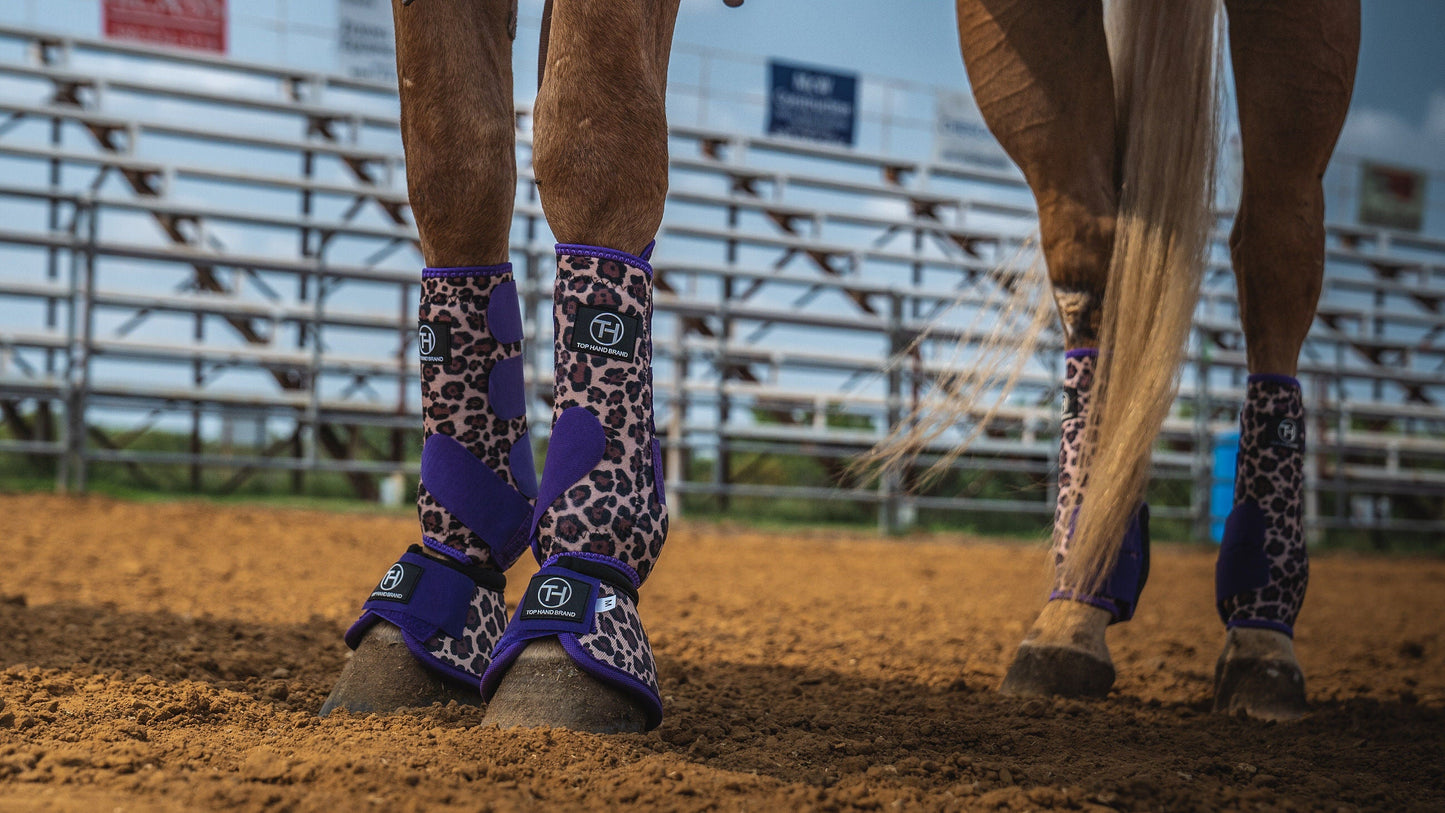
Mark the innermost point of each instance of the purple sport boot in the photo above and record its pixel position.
(1065, 653)
(1263, 567)
(601, 516)
(442, 601)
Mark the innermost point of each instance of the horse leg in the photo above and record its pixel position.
(1294, 67)
(427, 631)
(576, 655)
(1041, 74)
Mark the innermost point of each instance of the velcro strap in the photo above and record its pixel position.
(1120, 592)
(428, 592)
(612, 576)
(557, 600)
(475, 495)
(577, 445)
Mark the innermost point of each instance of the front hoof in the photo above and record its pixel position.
(1055, 671)
(1262, 689)
(383, 676)
(543, 688)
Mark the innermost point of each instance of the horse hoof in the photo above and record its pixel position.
(1263, 689)
(545, 689)
(1055, 671)
(383, 676)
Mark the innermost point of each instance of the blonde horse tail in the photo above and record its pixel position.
(1166, 59)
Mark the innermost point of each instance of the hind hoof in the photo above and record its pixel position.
(545, 689)
(1054, 671)
(1260, 689)
(383, 676)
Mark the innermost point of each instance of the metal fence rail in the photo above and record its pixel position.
(224, 251)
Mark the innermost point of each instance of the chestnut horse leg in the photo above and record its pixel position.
(1294, 67)
(601, 161)
(1041, 74)
(454, 67)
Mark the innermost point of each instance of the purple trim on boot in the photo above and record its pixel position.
(1261, 624)
(504, 313)
(1274, 378)
(506, 392)
(577, 250)
(523, 465)
(475, 495)
(445, 550)
(1082, 352)
(467, 271)
(626, 569)
(646, 254)
(652, 704)
(1093, 601)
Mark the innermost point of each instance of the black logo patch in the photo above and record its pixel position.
(398, 584)
(556, 598)
(601, 332)
(1285, 433)
(1073, 404)
(434, 340)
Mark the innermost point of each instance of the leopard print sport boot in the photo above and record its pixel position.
(1263, 566)
(601, 515)
(427, 630)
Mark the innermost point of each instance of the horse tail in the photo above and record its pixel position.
(1167, 83)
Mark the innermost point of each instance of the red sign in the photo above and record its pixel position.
(197, 24)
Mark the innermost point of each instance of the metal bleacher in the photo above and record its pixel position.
(224, 251)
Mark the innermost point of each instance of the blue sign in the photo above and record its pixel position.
(813, 103)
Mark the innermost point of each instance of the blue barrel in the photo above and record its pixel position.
(1221, 490)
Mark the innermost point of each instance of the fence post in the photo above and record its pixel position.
(75, 417)
(888, 485)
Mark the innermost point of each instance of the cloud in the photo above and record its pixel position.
(1389, 137)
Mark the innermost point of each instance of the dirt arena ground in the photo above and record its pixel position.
(172, 656)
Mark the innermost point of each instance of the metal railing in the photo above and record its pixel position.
(224, 251)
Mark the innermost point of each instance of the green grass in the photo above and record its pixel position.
(334, 492)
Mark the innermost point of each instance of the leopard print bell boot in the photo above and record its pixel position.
(601, 515)
(478, 482)
(1263, 566)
